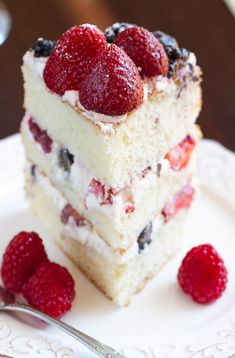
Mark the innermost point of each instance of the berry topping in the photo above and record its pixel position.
(23, 255)
(43, 48)
(145, 50)
(202, 274)
(167, 40)
(50, 289)
(113, 85)
(181, 200)
(104, 197)
(175, 54)
(40, 136)
(180, 155)
(113, 31)
(66, 160)
(184, 54)
(69, 212)
(170, 45)
(71, 58)
(145, 237)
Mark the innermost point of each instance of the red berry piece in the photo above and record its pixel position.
(181, 200)
(104, 197)
(71, 57)
(50, 289)
(113, 85)
(180, 155)
(69, 212)
(40, 136)
(96, 188)
(108, 199)
(23, 255)
(202, 274)
(129, 207)
(145, 50)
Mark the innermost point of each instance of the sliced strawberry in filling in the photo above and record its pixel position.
(104, 197)
(40, 136)
(129, 208)
(181, 200)
(180, 155)
(69, 212)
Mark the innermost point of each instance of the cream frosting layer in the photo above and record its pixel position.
(87, 234)
(156, 85)
(80, 180)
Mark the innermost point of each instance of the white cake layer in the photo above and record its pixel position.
(116, 153)
(119, 229)
(119, 278)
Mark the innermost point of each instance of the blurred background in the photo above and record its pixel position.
(206, 27)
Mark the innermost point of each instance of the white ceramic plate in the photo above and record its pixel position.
(161, 321)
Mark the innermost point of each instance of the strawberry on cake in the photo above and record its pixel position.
(110, 139)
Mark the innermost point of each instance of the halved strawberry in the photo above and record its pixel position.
(71, 57)
(181, 200)
(113, 85)
(145, 50)
(180, 155)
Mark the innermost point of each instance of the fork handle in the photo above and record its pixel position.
(97, 347)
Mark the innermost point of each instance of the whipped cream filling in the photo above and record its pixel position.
(159, 84)
(36, 64)
(80, 178)
(86, 234)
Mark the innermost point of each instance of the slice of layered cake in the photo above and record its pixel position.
(110, 140)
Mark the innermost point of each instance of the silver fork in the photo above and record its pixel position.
(5, 23)
(8, 303)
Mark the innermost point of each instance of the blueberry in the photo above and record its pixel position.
(159, 168)
(66, 160)
(184, 54)
(145, 237)
(174, 53)
(165, 39)
(113, 31)
(33, 170)
(43, 48)
(170, 45)
(172, 68)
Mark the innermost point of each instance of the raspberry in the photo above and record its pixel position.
(113, 85)
(202, 274)
(40, 136)
(69, 212)
(23, 255)
(71, 57)
(181, 200)
(180, 155)
(145, 50)
(50, 289)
